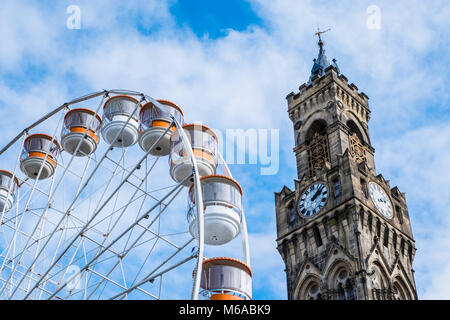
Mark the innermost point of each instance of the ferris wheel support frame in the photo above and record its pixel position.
(197, 191)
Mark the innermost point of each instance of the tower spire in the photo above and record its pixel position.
(322, 62)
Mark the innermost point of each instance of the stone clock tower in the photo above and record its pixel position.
(343, 232)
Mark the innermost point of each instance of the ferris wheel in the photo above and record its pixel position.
(112, 196)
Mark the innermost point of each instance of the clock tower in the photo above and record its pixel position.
(343, 232)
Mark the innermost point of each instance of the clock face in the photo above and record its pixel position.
(313, 199)
(380, 199)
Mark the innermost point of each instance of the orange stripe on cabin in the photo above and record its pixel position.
(225, 296)
(82, 130)
(205, 155)
(42, 155)
(162, 124)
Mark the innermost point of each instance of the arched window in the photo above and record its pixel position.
(354, 129)
(313, 291)
(336, 186)
(400, 289)
(318, 126)
(350, 290)
(378, 282)
(291, 212)
(386, 236)
(317, 141)
(341, 291)
(310, 289)
(394, 241)
(364, 187)
(399, 213)
(410, 251)
(341, 286)
(317, 236)
(378, 228)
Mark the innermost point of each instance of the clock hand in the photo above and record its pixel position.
(316, 194)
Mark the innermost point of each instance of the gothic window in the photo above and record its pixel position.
(364, 187)
(357, 149)
(341, 285)
(410, 251)
(313, 292)
(310, 289)
(356, 142)
(350, 290)
(386, 236)
(369, 222)
(400, 290)
(353, 129)
(378, 283)
(378, 229)
(399, 213)
(336, 183)
(341, 292)
(317, 236)
(402, 246)
(336, 186)
(317, 141)
(318, 126)
(394, 241)
(291, 212)
(318, 153)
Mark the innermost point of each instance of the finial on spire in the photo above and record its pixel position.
(319, 33)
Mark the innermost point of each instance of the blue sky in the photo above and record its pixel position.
(230, 64)
(213, 19)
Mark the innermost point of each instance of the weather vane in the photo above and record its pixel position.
(318, 33)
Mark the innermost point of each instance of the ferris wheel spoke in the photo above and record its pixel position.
(70, 261)
(152, 275)
(105, 281)
(108, 247)
(75, 261)
(144, 262)
(125, 169)
(123, 209)
(175, 190)
(158, 236)
(60, 241)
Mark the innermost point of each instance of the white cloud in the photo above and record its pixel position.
(418, 162)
